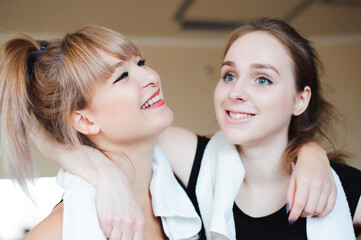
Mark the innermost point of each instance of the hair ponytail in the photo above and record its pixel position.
(15, 108)
(50, 85)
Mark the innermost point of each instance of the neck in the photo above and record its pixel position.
(135, 160)
(263, 161)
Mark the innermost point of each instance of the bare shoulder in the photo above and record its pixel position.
(50, 227)
(179, 145)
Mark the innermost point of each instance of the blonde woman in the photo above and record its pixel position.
(92, 88)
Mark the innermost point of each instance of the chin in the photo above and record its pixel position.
(234, 136)
(166, 120)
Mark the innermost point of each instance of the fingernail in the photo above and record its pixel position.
(291, 222)
(287, 208)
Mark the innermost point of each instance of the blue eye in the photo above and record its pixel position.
(229, 78)
(263, 81)
(121, 77)
(141, 63)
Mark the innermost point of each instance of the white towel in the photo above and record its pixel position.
(170, 202)
(220, 178)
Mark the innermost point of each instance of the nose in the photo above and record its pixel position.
(239, 91)
(149, 77)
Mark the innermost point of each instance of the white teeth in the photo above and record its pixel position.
(151, 102)
(239, 115)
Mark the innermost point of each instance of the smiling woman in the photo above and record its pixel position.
(91, 88)
(266, 111)
(261, 80)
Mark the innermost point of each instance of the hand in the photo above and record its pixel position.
(119, 215)
(312, 190)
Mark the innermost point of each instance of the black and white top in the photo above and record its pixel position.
(276, 226)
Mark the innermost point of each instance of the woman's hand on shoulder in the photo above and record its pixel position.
(179, 145)
(312, 189)
(119, 214)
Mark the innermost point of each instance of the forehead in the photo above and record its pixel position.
(259, 47)
(115, 61)
(111, 60)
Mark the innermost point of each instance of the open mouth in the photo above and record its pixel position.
(152, 100)
(239, 115)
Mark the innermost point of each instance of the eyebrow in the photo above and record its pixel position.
(229, 63)
(264, 66)
(118, 64)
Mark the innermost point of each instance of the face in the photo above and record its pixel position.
(129, 106)
(256, 97)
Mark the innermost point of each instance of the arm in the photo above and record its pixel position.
(50, 227)
(118, 211)
(312, 190)
(179, 145)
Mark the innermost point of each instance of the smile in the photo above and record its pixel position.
(240, 115)
(152, 100)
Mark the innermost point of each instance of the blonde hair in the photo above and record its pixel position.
(57, 83)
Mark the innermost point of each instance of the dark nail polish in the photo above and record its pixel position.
(291, 221)
(287, 207)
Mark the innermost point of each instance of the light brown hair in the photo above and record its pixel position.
(50, 80)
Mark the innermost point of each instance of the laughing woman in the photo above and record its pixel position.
(92, 88)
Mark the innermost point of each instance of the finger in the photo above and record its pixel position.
(330, 202)
(322, 202)
(311, 204)
(35, 129)
(128, 235)
(106, 227)
(116, 234)
(139, 229)
(139, 235)
(299, 202)
(291, 192)
(128, 228)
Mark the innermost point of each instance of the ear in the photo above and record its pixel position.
(84, 123)
(302, 102)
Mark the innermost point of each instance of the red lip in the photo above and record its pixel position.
(153, 95)
(156, 105)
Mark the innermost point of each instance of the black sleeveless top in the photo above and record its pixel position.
(276, 226)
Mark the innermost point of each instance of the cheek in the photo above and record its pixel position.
(279, 105)
(220, 94)
(114, 108)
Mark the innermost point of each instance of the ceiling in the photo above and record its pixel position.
(179, 18)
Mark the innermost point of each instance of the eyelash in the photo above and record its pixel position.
(124, 75)
(140, 63)
(226, 75)
(268, 81)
